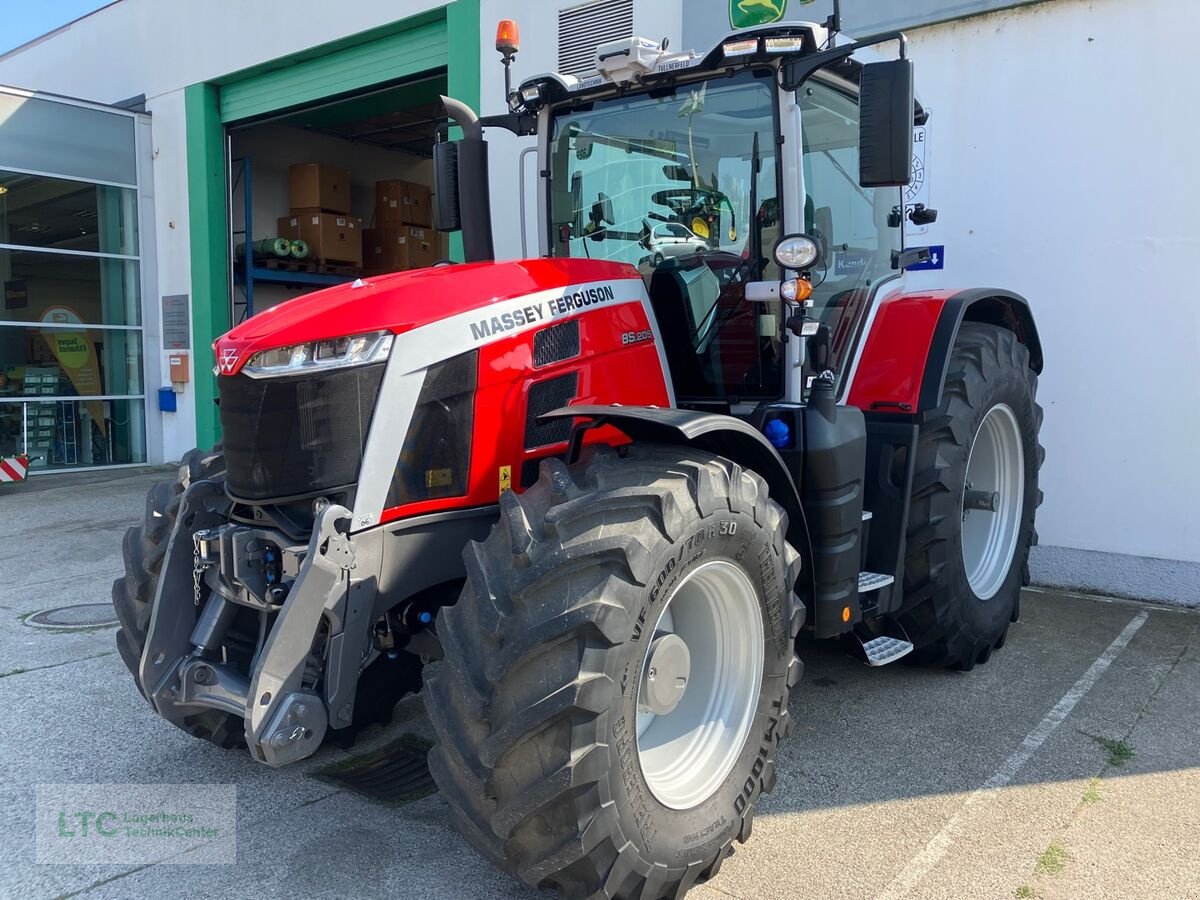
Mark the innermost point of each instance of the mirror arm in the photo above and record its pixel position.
(520, 124)
(795, 72)
(902, 259)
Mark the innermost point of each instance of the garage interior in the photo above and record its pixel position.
(379, 139)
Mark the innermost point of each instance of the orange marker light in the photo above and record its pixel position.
(845, 614)
(508, 37)
(797, 290)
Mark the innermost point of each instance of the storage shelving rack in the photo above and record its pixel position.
(246, 273)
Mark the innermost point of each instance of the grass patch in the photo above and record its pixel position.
(1024, 892)
(1118, 752)
(1092, 794)
(13, 672)
(1053, 859)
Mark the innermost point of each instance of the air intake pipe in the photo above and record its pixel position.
(461, 183)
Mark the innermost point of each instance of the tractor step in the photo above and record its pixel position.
(883, 650)
(873, 581)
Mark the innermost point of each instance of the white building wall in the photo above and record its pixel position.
(1063, 167)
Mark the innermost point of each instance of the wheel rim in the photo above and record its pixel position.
(995, 470)
(689, 742)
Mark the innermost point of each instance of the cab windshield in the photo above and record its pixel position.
(683, 184)
(647, 178)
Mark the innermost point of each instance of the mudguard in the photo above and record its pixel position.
(906, 353)
(720, 434)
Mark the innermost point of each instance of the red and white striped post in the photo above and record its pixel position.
(13, 468)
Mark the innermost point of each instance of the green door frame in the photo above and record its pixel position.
(373, 57)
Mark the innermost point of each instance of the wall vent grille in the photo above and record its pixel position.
(581, 29)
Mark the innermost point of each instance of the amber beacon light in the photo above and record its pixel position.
(508, 37)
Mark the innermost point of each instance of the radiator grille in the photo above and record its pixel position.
(581, 29)
(556, 343)
(545, 396)
(295, 435)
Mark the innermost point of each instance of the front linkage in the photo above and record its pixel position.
(313, 604)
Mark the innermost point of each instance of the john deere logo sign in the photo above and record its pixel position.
(748, 13)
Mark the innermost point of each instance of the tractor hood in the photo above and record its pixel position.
(406, 301)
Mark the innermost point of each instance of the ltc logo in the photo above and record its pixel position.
(229, 358)
(748, 13)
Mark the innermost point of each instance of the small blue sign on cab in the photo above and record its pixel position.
(937, 259)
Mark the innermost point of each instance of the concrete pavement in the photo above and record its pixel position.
(1014, 780)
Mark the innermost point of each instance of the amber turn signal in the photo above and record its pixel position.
(797, 290)
(508, 37)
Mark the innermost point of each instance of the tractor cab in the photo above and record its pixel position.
(755, 188)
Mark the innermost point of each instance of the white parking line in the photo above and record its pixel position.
(940, 843)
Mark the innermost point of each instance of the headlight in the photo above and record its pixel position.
(797, 251)
(336, 353)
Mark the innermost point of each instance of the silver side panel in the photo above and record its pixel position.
(791, 161)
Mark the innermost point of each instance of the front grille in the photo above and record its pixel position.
(296, 435)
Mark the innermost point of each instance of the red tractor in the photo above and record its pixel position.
(587, 501)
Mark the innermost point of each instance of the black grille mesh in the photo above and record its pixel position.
(295, 435)
(556, 343)
(543, 397)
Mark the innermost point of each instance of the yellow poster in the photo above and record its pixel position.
(76, 353)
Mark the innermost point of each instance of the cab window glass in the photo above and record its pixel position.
(853, 224)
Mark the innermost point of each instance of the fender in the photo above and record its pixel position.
(720, 434)
(906, 354)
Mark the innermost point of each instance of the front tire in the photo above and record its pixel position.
(965, 567)
(133, 594)
(541, 755)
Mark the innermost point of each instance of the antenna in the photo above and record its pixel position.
(834, 22)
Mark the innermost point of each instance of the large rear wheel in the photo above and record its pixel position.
(617, 671)
(975, 493)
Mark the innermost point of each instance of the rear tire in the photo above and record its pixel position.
(957, 613)
(542, 754)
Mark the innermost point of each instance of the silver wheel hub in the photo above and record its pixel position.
(993, 500)
(668, 666)
(699, 684)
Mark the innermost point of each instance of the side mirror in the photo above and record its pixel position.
(885, 136)
(461, 181)
(602, 210)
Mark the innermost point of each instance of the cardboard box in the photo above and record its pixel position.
(331, 238)
(318, 186)
(403, 203)
(395, 248)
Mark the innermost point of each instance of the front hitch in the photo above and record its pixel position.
(286, 714)
(283, 722)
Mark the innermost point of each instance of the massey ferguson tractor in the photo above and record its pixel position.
(587, 501)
